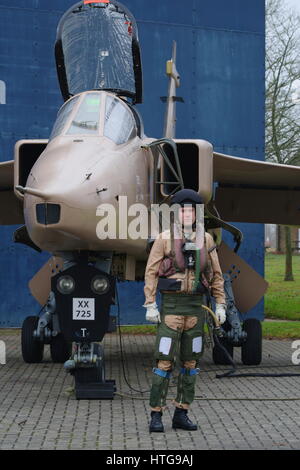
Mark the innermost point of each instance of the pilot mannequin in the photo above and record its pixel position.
(181, 320)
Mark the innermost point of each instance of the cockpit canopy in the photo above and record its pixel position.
(97, 48)
(98, 114)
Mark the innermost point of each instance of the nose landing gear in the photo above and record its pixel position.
(88, 369)
(246, 334)
(77, 313)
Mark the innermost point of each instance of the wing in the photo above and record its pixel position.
(254, 191)
(11, 211)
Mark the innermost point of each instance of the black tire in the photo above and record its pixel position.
(60, 349)
(252, 347)
(32, 349)
(219, 356)
(92, 374)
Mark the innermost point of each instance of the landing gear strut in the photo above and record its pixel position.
(88, 369)
(247, 334)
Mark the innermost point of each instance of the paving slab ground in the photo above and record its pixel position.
(38, 408)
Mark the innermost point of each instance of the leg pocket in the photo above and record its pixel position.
(192, 343)
(197, 344)
(166, 344)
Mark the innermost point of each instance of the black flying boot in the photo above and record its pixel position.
(181, 420)
(156, 424)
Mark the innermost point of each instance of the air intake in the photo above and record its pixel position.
(48, 214)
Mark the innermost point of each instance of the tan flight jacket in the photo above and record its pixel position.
(162, 248)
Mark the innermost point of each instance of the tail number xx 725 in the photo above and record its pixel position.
(83, 309)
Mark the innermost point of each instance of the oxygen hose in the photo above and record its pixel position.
(197, 271)
(213, 315)
(216, 334)
(232, 372)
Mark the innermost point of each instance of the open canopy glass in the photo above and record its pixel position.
(97, 49)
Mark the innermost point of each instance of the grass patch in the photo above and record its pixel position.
(9, 331)
(282, 299)
(281, 330)
(276, 330)
(139, 330)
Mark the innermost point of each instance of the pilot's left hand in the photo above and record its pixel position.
(221, 312)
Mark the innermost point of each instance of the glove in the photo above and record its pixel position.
(221, 312)
(152, 313)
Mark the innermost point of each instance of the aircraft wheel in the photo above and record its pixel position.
(219, 356)
(32, 349)
(252, 347)
(60, 349)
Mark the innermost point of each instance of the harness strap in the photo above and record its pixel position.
(185, 371)
(173, 255)
(161, 373)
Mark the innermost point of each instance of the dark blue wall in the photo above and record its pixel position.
(221, 61)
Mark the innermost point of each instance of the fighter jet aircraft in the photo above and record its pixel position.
(96, 155)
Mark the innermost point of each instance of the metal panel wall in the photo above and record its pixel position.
(221, 62)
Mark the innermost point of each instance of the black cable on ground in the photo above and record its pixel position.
(229, 374)
(232, 372)
(121, 348)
